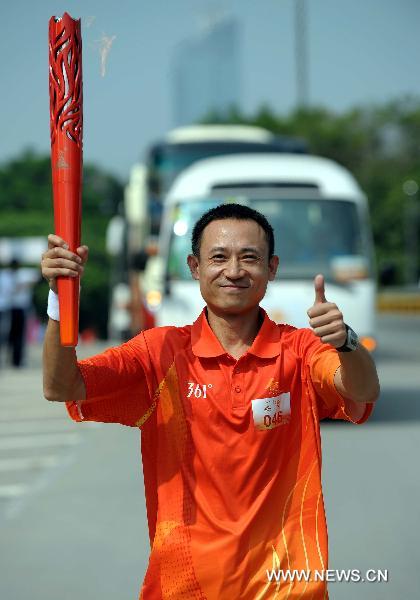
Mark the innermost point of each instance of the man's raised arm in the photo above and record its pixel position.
(356, 379)
(62, 379)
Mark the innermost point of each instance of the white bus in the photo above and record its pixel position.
(183, 146)
(321, 224)
(150, 182)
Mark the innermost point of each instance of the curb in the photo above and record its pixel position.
(406, 302)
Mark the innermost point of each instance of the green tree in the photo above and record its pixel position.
(26, 210)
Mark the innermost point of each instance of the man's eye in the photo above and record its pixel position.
(218, 257)
(250, 257)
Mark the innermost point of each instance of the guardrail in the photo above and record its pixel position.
(398, 300)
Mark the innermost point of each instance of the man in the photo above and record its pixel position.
(229, 410)
(23, 280)
(6, 293)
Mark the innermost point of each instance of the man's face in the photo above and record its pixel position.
(233, 268)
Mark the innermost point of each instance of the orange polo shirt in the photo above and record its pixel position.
(231, 455)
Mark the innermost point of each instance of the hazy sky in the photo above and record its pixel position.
(360, 51)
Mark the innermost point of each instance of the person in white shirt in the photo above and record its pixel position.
(22, 281)
(6, 289)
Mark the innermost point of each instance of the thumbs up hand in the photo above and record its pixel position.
(325, 318)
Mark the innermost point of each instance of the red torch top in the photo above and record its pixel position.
(66, 117)
(66, 96)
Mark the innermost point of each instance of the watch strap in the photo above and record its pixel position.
(351, 342)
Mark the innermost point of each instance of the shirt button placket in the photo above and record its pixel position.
(237, 388)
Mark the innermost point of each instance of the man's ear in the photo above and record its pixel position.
(273, 264)
(193, 265)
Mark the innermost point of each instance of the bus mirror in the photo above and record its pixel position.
(153, 184)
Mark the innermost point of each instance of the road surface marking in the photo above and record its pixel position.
(40, 441)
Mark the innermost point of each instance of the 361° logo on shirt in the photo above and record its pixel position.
(198, 390)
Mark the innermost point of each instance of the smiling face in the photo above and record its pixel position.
(233, 267)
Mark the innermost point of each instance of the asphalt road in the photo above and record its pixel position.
(72, 514)
(371, 475)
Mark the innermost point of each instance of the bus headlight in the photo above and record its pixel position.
(349, 268)
(369, 343)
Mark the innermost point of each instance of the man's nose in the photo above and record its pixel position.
(233, 269)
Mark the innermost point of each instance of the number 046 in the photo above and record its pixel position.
(273, 420)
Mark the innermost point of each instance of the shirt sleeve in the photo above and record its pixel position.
(119, 386)
(323, 361)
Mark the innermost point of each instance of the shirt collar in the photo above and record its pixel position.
(206, 345)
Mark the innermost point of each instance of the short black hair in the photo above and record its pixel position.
(231, 211)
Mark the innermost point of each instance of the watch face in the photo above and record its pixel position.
(352, 339)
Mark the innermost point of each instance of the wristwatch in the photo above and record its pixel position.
(352, 341)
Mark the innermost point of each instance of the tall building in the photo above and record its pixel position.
(205, 73)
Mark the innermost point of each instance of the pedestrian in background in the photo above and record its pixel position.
(6, 287)
(141, 317)
(21, 282)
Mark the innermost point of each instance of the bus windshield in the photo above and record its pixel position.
(310, 234)
(166, 161)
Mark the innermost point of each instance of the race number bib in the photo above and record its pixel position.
(269, 413)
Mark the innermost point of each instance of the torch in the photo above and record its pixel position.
(66, 117)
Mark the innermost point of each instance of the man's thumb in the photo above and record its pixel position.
(319, 284)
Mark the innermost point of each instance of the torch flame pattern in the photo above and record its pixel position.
(66, 118)
(65, 78)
